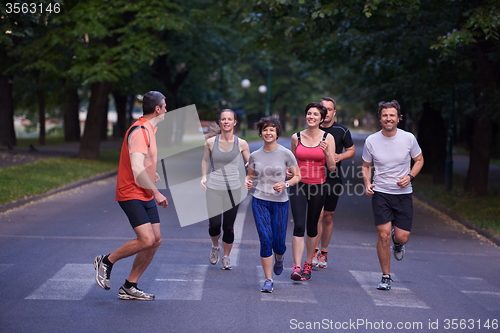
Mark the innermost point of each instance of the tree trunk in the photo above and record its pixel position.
(172, 83)
(104, 115)
(432, 140)
(480, 152)
(40, 98)
(7, 132)
(282, 118)
(91, 139)
(71, 116)
(121, 112)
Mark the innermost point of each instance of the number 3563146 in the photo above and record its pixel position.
(32, 8)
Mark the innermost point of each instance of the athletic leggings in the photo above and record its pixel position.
(222, 212)
(306, 201)
(271, 219)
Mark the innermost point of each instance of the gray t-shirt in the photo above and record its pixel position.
(391, 157)
(270, 168)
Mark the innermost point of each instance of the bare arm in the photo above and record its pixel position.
(205, 164)
(347, 154)
(328, 147)
(249, 179)
(419, 163)
(295, 178)
(142, 178)
(366, 170)
(245, 150)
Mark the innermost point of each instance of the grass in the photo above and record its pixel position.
(483, 212)
(41, 176)
(49, 141)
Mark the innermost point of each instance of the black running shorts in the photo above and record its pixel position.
(333, 188)
(395, 208)
(140, 212)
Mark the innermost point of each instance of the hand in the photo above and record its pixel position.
(161, 200)
(405, 181)
(289, 174)
(278, 187)
(202, 183)
(157, 178)
(369, 189)
(338, 158)
(248, 184)
(324, 146)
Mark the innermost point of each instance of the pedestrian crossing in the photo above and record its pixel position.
(398, 297)
(477, 289)
(73, 282)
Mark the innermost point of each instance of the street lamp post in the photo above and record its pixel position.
(263, 90)
(245, 83)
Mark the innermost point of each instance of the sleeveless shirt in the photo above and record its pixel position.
(311, 161)
(224, 163)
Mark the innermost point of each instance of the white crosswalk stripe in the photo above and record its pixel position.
(285, 290)
(477, 289)
(186, 282)
(72, 282)
(397, 296)
(180, 282)
(4, 267)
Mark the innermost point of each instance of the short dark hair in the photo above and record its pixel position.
(388, 105)
(329, 99)
(151, 100)
(266, 122)
(318, 106)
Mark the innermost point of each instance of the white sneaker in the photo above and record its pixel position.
(214, 255)
(225, 263)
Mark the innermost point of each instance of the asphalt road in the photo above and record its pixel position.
(448, 280)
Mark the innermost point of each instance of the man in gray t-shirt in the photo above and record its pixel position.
(391, 151)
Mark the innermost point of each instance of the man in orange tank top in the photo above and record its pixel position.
(138, 197)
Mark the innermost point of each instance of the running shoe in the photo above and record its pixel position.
(306, 271)
(322, 259)
(226, 263)
(214, 255)
(297, 273)
(102, 273)
(278, 265)
(315, 258)
(268, 286)
(385, 284)
(399, 249)
(134, 293)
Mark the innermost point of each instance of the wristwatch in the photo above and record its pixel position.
(287, 184)
(411, 177)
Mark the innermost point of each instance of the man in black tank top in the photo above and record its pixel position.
(334, 183)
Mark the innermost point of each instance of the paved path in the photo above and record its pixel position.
(448, 276)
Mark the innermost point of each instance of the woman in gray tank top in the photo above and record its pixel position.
(222, 159)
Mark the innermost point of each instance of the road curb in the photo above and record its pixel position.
(25, 201)
(457, 217)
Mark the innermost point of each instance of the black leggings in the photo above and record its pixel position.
(222, 212)
(306, 201)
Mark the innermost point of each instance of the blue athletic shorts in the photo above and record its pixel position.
(140, 212)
